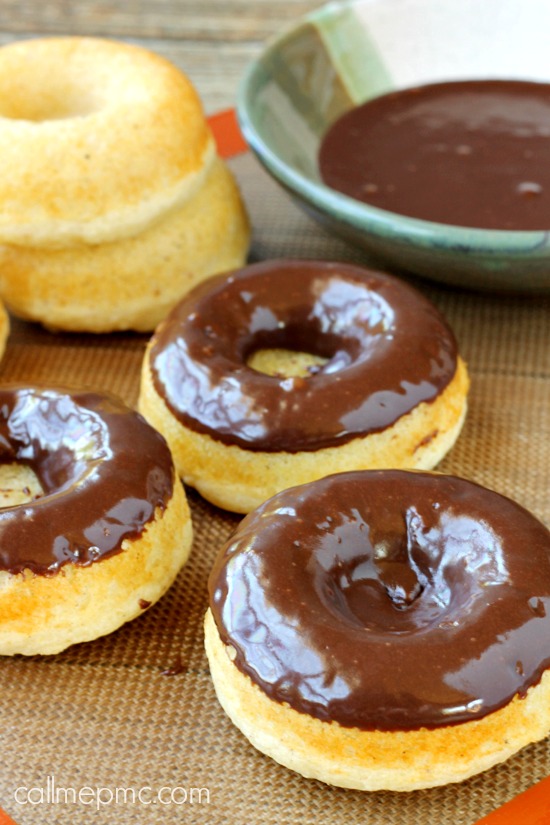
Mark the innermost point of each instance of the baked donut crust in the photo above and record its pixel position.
(373, 760)
(101, 138)
(46, 614)
(240, 480)
(384, 630)
(94, 524)
(130, 283)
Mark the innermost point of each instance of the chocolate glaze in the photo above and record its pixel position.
(387, 599)
(388, 350)
(103, 470)
(472, 153)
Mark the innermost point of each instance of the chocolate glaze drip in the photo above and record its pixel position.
(103, 470)
(472, 153)
(387, 599)
(388, 350)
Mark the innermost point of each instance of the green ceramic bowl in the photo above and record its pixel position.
(348, 52)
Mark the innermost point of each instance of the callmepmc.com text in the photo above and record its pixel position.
(98, 797)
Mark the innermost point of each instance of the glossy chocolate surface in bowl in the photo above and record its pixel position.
(469, 153)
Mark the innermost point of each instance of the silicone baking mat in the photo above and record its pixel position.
(136, 711)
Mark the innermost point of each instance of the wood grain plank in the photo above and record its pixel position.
(216, 20)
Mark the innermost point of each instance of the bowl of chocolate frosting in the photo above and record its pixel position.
(418, 130)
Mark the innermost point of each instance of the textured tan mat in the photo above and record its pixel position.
(136, 710)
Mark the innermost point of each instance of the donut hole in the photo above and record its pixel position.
(374, 595)
(51, 97)
(297, 350)
(400, 577)
(36, 471)
(49, 443)
(19, 484)
(285, 363)
(346, 323)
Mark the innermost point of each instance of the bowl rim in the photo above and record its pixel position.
(361, 216)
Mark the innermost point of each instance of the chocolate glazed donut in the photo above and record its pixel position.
(98, 487)
(82, 555)
(387, 352)
(410, 608)
(362, 322)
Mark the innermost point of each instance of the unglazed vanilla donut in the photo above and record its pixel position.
(384, 629)
(100, 138)
(116, 202)
(388, 388)
(132, 283)
(94, 525)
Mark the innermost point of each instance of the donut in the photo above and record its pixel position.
(100, 137)
(73, 288)
(384, 629)
(94, 524)
(116, 201)
(382, 386)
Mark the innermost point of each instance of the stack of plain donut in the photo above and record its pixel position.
(113, 200)
(372, 624)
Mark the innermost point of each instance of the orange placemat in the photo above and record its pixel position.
(227, 133)
(532, 807)
(5, 819)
